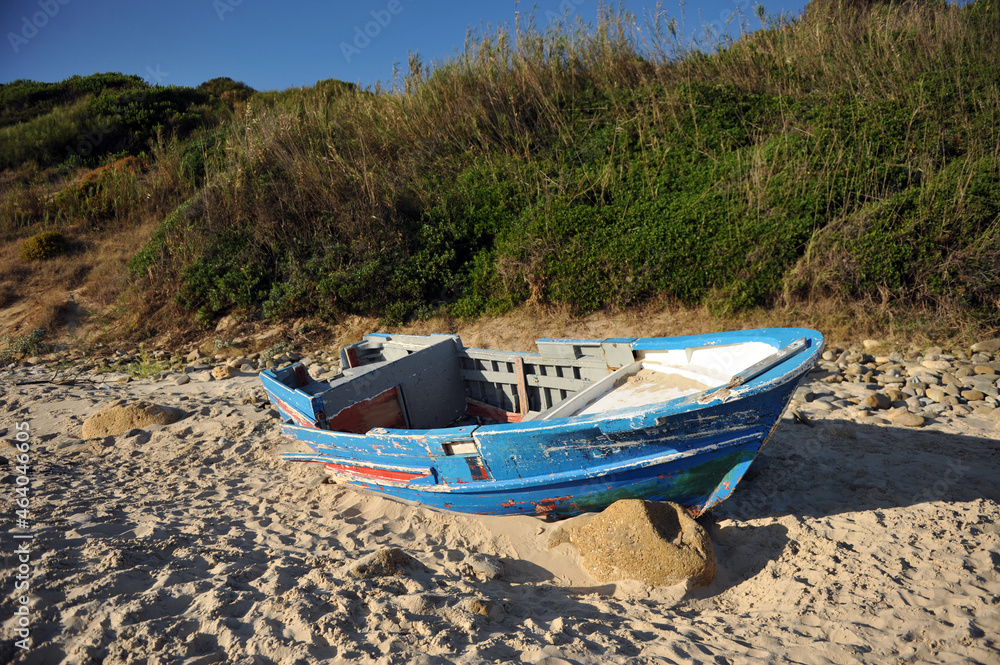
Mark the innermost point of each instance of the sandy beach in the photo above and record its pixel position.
(854, 541)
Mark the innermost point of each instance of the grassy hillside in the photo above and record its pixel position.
(846, 162)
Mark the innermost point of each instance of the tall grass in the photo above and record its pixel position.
(852, 155)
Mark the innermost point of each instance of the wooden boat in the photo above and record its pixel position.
(572, 428)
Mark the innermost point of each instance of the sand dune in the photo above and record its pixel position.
(195, 543)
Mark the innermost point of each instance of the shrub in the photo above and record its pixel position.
(12, 348)
(109, 193)
(43, 246)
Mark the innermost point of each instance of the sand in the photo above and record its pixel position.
(193, 542)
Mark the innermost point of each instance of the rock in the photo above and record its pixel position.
(182, 379)
(655, 543)
(225, 323)
(905, 418)
(484, 607)
(935, 394)
(935, 409)
(804, 395)
(936, 364)
(193, 356)
(119, 417)
(221, 372)
(987, 346)
(247, 368)
(386, 562)
(878, 401)
(947, 378)
(483, 566)
(972, 395)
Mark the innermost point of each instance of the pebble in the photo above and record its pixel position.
(878, 401)
(987, 346)
(182, 379)
(935, 394)
(905, 418)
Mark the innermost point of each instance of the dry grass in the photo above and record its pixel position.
(335, 182)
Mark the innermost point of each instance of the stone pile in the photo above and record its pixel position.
(869, 381)
(180, 367)
(911, 388)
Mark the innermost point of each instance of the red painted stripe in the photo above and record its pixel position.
(293, 413)
(376, 474)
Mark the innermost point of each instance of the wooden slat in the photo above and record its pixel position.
(522, 388)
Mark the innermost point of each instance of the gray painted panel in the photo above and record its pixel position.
(430, 378)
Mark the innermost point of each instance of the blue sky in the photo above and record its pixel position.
(272, 45)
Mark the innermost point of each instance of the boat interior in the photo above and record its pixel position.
(429, 382)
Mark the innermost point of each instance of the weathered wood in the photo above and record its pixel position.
(382, 410)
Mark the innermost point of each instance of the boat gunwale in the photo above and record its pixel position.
(768, 380)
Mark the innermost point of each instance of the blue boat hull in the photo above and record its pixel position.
(692, 451)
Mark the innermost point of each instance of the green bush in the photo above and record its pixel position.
(43, 246)
(12, 348)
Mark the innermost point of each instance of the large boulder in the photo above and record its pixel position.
(121, 416)
(656, 543)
